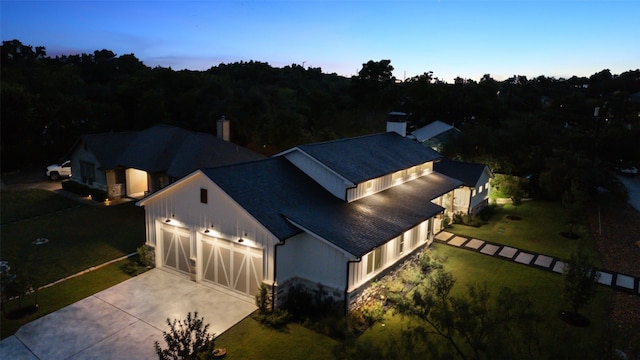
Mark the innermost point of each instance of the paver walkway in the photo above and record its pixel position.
(614, 280)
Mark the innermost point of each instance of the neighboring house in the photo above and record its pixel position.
(473, 196)
(132, 164)
(331, 216)
(434, 135)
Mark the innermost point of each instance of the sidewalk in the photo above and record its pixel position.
(614, 280)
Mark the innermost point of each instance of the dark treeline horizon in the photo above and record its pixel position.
(512, 125)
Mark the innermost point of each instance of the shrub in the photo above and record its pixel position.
(75, 187)
(275, 319)
(187, 339)
(84, 190)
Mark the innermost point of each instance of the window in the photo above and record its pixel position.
(368, 186)
(411, 171)
(480, 189)
(396, 176)
(87, 172)
(374, 260)
(203, 196)
(400, 244)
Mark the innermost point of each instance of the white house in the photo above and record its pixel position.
(138, 162)
(473, 196)
(331, 216)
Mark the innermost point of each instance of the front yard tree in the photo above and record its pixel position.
(474, 325)
(513, 187)
(580, 280)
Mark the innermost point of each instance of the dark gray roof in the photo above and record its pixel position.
(468, 173)
(166, 149)
(431, 130)
(108, 147)
(362, 158)
(274, 190)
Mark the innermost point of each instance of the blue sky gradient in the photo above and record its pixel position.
(448, 37)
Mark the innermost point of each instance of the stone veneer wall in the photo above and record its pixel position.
(365, 293)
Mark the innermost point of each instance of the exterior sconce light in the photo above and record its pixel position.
(167, 221)
(206, 231)
(241, 240)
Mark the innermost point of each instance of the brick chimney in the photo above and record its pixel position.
(224, 129)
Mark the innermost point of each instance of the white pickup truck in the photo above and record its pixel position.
(57, 171)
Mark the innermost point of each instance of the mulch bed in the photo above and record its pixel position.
(618, 252)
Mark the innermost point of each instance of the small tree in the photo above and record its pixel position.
(580, 282)
(186, 340)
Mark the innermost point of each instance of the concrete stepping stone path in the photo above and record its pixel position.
(617, 281)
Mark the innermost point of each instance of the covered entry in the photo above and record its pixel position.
(232, 265)
(175, 248)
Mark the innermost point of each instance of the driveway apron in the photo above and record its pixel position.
(124, 321)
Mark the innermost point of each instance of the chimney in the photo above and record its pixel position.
(223, 129)
(399, 127)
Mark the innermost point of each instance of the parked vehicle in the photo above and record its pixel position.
(57, 171)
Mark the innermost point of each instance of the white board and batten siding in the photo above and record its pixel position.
(221, 215)
(482, 189)
(387, 181)
(331, 181)
(327, 264)
(389, 254)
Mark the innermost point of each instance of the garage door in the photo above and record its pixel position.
(232, 265)
(175, 247)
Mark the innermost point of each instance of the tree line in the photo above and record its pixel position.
(518, 126)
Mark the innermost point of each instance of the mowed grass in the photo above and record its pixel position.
(62, 294)
(79, 237)
(539, 229)
(20, 205)
(251, 340)
(545, 290)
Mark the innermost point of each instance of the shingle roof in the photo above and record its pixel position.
(274, 190)
(431, 130)
(367, 157)
(167, 149)
(108, 147)
(468, 173)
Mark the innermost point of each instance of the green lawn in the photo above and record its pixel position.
(251, 340)
(20, 205)
(545, 290)
(78, 237)
(538, 230)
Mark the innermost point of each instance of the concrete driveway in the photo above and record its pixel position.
(124, 321)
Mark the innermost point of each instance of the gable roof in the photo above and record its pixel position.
(362, 158)
(275, 191)
(431, 130)
(468, 173)
(168, 149)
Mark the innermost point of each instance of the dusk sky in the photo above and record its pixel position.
(450, 38)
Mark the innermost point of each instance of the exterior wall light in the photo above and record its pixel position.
(167, 221)
(206, 231)
(241, 240)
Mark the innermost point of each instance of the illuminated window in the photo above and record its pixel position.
(368, 186)
(481, 188)
(396, 176)
(374, 260)
(411, 171)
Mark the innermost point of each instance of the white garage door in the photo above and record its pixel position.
(232, 265)
(175, 248)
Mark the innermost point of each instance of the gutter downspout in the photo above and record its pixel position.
(275, 269)
(346, 286)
